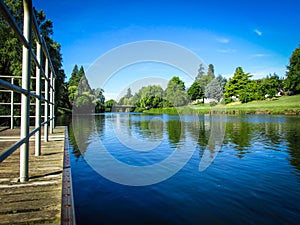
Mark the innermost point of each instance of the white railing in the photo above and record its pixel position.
(45, 72)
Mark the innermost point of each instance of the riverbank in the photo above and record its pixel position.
(282, 105)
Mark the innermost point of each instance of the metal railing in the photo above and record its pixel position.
(45, 72)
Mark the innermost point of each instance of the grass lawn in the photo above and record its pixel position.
(282, 105)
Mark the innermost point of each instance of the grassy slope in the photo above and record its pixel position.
(284, 105)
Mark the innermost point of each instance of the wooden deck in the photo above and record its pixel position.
(39, 200)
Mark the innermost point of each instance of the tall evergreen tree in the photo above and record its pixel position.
(201, 72)
(236, 85)
(73, 79)
(211, 71)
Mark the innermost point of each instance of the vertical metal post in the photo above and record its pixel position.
(25, 100)
(51, 101)
(38, 101)
(47, 98)
(12, 106)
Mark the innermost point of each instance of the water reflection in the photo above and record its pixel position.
(244, 134)
(175, 131)
(293, 139)
(239, 134)
(83, 129)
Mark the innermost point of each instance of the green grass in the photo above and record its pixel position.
(282, 105)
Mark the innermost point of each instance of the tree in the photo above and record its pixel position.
(151, 96)
(215, 89)
(292, 81)
(270, 85)
(109, 104)
(11, 49)
(211, 71)
(175, 92)
(73, 81)
(128, 94)
(195, 91)
(237, 85)
(201, 72)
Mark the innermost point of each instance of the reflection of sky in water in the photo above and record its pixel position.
(257, 171)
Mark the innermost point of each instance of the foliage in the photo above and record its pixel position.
(270, 86)
(175, 92)
(292, 82)
(215, 89)
(201, 72)
(195, 91)
(110, 103)
(128, 94)
(237, 85)
(11, 50)
(82, 97)
(211, 71)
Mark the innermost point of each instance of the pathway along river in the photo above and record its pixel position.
(254, 179)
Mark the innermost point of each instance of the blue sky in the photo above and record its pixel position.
(257, 35)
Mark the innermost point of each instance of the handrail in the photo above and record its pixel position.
(45, 72)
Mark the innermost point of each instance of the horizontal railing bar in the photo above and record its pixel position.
(8, 116)
(9, 151)
(18, 89)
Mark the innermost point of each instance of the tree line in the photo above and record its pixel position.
(216, 89)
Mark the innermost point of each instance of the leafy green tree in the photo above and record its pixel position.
(11, 49)
(110, 103)
(151, 96)
(236, 85)
(270, 86)
(175, 92)
(250, 92)
(195, 91)
(292, 81)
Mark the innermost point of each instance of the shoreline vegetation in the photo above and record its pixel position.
(285, 105)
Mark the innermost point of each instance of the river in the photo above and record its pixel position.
(165, 169)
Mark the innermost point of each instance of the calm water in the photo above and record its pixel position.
(253, 179)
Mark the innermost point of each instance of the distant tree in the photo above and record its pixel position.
(236, 85)
(73, 81)
(151, 97)
(109, 104)
(201, 72)
(292, 81)
(204, 81)
(195, 91)
(98, 92)
(211, 71)
(250, 92)
(215, 89)
(175, 92)
(128, 94)
(270, 85)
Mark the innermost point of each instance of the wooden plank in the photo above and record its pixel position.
(39, 199)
